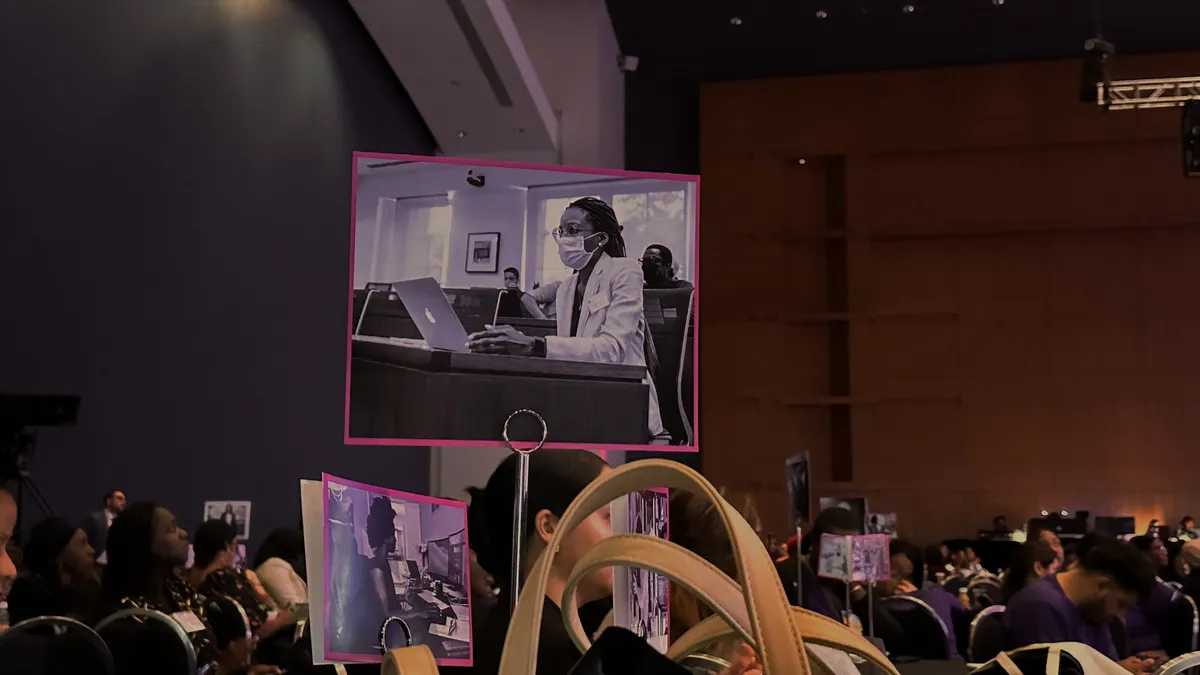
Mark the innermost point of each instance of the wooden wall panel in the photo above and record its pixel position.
(1023, 330)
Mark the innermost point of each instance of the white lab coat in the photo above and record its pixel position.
(612, 323)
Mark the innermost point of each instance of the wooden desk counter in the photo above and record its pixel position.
(401, 389)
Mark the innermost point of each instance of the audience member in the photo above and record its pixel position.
(1050, 538)
(514, 302)
(1076, 605)
(1031, 562)
(8, 522)
(1189, 557)
(1187, 529)
(907, 579)
(62, 575)
(212, 573)
(555, 480)
(97, 524)
(1146, 619)
(280, 567)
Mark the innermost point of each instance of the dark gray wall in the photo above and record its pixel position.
(174, 243)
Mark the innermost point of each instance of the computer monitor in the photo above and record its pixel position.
(439, 559)
(1116, 526)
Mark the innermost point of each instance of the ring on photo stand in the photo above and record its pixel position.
(383, 633)
(521, 500)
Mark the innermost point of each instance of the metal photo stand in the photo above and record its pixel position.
(520, 501)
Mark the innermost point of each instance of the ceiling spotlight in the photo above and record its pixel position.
(821, 14)
(802, 161)
(909, 9)
(1063, 513)
(735, 21)
(1045, 513)
(462, 134)
(997, 2)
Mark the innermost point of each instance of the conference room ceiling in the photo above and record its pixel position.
(714, 40)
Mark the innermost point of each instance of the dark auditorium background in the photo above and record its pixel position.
(974, 295)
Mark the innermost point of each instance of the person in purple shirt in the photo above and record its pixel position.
(908, 578)
(1145, 620)
(1076, 605)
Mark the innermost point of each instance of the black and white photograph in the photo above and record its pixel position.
(856, 505)
(882, 523)
(642, 598)
(799, 491)
(234, 513)
(480, 288)
(397, 573)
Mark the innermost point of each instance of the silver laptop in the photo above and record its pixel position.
(432, 313)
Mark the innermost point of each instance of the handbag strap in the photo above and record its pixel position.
(776, 636)
(1005, 661)
(416, 660)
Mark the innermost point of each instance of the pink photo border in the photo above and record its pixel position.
(694, 447)
(325, 564)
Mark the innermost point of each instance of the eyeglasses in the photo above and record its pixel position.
(569, 231)
(651, 259)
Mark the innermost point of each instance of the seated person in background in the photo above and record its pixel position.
(282, 551)
(212, 573)
(908, 578)
(279, 558)
(514, 302)
(937, 564)
(62, 579)
(1145, 620)
(1031, 562)
(1049, 538)
(1189, 564)
(1187, 529)
(1077, 605)
(658, 266)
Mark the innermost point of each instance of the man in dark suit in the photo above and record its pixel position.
(97, 524)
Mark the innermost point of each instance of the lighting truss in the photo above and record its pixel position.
(1167, 92)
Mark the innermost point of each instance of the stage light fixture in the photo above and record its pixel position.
(1097, 52)
(1191, 139)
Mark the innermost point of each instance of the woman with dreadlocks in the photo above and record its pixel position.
(600, 312)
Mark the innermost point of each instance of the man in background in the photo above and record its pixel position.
(97, 524)
(517, 303)
(658, 267)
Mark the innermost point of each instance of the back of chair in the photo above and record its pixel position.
(987, 635)
(925, 634)
(147, 642)
(985, 591)
(53, 644)
(1181, 627)
(227, 618)
(668, 316)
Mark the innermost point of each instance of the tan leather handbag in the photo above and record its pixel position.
(755, 607)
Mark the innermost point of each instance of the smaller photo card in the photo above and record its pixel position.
(834, 561)
(235, 513)
(882, 523)
(641, 598)
(871, 558)
(396, 573)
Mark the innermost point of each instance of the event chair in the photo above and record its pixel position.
(54, 644)
(985, 591)
(1180, 664)
(227, 619)
(147, 642)
(925, 634)
(668, 320)
(1181, 627)
(986, 639)
(1174, 584)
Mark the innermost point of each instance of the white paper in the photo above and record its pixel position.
(312, 512)
(836, 553)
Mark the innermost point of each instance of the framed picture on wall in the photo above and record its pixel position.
(483, 252)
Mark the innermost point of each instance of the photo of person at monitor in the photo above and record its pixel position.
(601, 316)
(517, 303)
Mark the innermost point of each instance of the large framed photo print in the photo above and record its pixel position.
(479, 288)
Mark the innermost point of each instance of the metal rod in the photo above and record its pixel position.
(799, 568)
(871, 610)
(520, 506)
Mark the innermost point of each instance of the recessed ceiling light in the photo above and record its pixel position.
(909, 9)
(462, 134)
(736, 21)
(801, 161)
(997, 2)
(821, 14)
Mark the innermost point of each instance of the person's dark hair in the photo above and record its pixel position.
(1142, 542)
(1022, 566)
(516, 273)
(209, 540)
(1184, 520)
(915, 556)
(1121, 562)
(131, 563)
(957, 545)
(666, 254)
(603, 219)
(934, 560)
(1085, 544)
(47, 540)
(381, 521)
(285, 543)
(836, 519)
(555, 479)
(109, 495)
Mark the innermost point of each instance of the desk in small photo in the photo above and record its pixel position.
(402, 389)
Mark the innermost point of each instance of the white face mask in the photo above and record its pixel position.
(572, 253)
